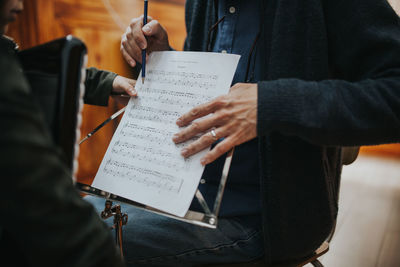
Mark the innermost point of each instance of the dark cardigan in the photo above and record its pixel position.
(331, 79)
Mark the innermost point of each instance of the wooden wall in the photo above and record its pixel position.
(101, 30)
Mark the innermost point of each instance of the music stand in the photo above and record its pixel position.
(207, 218)
(56, 72)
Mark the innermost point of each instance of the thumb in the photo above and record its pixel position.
(128, 85)
(154, 29)
(124, 85)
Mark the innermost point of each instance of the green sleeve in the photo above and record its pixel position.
(47, 219)
(98, 86)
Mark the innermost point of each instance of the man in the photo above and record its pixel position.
(44, 221)
(315, 76)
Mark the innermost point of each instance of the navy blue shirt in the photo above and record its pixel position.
(236, 34)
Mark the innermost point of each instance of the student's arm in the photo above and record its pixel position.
(100, 83)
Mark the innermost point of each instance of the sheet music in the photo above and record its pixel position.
(142, 163)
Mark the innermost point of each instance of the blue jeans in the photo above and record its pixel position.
(154, 240)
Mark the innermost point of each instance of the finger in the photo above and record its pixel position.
(154, 29)
(128, 86)
(122, 85)
(132, 49)
(137, 37)
(220, 149)
(136, 31)
(203, 142)
(127, 57)
(195, 128)
(201, 111)
(137, 20)
(140, 19)
(131, 82)
(134, 40)
(134, 28)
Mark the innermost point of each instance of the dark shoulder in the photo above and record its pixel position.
(8, 45)
(12, 79)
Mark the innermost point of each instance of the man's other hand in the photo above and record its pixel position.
(152, 37)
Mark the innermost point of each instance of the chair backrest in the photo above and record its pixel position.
(56, 72)
(349, 154)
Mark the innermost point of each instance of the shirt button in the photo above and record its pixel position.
(232, 9)
(224, 51)
(202, 181)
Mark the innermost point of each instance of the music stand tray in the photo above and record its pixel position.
(207, 218)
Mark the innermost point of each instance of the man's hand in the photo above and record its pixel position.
(123, 89)
(233, 117)
(134, 40)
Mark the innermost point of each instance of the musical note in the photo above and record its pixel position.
(186, 79)
(160, 181)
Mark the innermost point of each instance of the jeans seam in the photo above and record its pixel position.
(198, 251)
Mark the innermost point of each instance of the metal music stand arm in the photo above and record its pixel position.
(218, 199)
(119, 220)
(222, 184)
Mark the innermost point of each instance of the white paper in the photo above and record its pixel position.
(142, 163)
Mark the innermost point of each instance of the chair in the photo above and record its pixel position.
(349, 155)
(56, 72)
(313, 259)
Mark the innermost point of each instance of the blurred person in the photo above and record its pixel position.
(44, 220)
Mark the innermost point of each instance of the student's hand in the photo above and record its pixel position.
(134, 39)
(234, 118)
(123, 89)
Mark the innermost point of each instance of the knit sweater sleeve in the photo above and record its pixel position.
(361, 106)
(98, 85)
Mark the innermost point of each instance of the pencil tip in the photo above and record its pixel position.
(143, 80)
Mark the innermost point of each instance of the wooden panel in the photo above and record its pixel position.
(392, 150)
(178, 2)
(100, 25)
(22, 30)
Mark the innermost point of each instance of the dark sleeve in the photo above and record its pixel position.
(362, 106)
(42, 212)
(98, 86)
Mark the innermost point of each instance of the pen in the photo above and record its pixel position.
(144, 50)
(116, 114)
